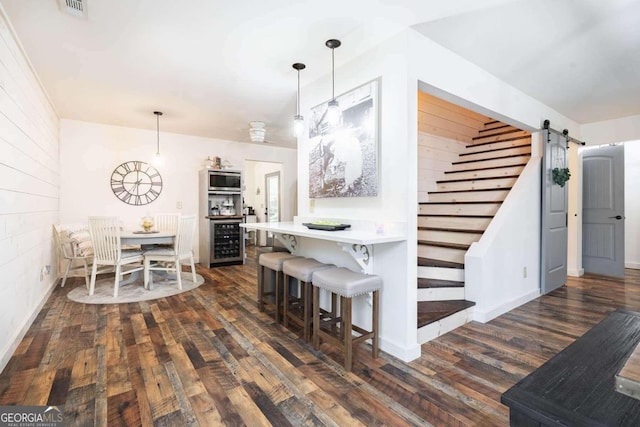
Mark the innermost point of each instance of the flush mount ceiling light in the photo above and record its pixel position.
(257, 131)
(333, 108)
(298, 120)
(158, 159)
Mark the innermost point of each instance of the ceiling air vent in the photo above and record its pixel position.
(74, 7)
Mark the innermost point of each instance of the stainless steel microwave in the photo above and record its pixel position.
(225, 181)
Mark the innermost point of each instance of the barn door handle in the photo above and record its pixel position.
(615, 217)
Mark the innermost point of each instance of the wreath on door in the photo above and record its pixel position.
(561, 176)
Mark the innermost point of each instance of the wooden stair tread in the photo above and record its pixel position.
(504, 125)
(457, 203)
(432, 311)
(495, 167)
(478, 144)
(453, 230)
(481, 178)
(462, 162)
(466, 191)
(427, 262)
(444, 244)
(424, 283)
(493, 150)
(514, 130)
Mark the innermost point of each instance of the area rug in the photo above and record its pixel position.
(135, 291)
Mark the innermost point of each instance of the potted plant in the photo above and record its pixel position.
(561, 176)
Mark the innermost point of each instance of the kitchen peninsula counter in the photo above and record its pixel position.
(351, 236)
(371, 247)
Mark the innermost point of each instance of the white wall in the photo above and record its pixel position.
(89, 152)
(632, 204)
(502, 270)
(610, 131)
(29, 192)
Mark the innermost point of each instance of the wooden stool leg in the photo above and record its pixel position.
(334, 310)
(277, 296)
(316, 318)
(345, 306)
(285, 302)
(374, 324)
(261, 288)
(306, 310)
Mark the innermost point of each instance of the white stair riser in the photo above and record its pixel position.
(441, 327)
(448, 236)
(440, 294)
(442, 254)
(473, 209)
(453, 223)
(498, 145)
(483, 164)
(482, 184)
(470, 196)
(442, 273)
(493, 154)
(486, 173)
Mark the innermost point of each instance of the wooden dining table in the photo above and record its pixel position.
(143, 238)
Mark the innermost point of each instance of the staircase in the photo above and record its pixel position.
(456, 215)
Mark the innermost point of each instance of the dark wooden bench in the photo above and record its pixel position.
(577, 386)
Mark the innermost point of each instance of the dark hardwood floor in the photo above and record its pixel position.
(209, 357)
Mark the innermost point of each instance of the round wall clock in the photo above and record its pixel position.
(136, 183)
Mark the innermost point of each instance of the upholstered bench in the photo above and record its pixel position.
(346, 284)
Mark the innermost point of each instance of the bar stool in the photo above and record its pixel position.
(299, 309)
(346, 284)
(272, 261)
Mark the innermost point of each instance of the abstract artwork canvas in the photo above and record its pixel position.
(343, 157)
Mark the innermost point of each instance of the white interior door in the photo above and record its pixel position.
(603, 210)
(554, 215)
(272, 196)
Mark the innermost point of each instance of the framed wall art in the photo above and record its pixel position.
(343, 156)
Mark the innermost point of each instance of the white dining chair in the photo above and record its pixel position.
(168, 258)
(166, 222)
(105, 237)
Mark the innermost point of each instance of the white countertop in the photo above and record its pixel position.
(360, 237)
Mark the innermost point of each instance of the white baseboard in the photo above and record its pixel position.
(575, 272)
(634, 265)
(483, 316)
(406, 354)
(8, 352)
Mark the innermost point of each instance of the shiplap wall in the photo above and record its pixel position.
(444, 129)
(29, 192)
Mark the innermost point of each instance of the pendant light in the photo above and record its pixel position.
(333, 108)
(158, 159)
(298, 120)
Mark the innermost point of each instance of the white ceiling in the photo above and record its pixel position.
(212, 66)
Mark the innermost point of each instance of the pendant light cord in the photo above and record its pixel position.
(333, 78)
(298, 97)
(158, 134)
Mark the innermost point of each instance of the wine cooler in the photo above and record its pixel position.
(227, 241)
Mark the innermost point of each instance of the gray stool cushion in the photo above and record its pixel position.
(303, 268)
(345, 282)
(274, 260)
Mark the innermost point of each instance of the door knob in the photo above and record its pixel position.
(615, 217)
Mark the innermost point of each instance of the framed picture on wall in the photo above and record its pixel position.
(343, 154)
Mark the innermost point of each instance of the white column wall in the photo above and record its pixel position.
(89, 152)
(29, 192)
